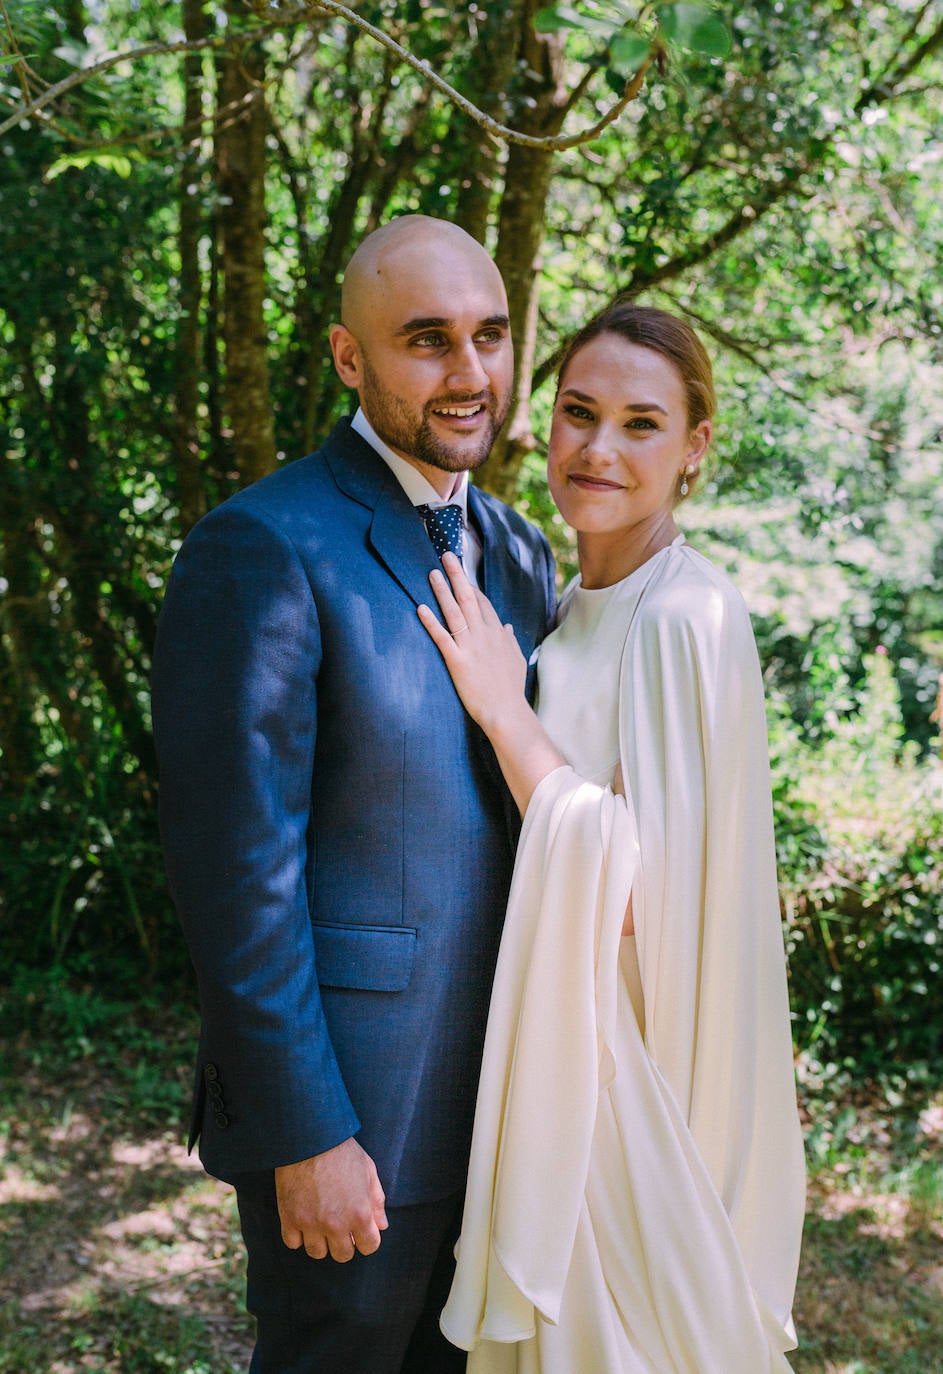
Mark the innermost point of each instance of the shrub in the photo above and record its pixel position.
(860, 838)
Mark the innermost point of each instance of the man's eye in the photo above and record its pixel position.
(429, 340)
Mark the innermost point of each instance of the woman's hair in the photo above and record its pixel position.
(666, 334)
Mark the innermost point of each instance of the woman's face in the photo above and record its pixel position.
(620, 439)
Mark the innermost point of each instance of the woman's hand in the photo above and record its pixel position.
(489, 673)
(481, 654)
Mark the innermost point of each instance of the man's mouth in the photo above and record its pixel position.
(459, 412)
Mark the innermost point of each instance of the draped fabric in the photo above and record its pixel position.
(636, 1186)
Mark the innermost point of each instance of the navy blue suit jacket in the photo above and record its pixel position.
(338, 838)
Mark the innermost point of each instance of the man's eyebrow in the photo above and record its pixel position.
(440, 322)
(638, 408)
(431, 322)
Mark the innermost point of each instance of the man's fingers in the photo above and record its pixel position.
(369, 1242)
(332, 1200)
(342, 1248)
(292, 1237)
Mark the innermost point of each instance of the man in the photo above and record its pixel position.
(338, 840)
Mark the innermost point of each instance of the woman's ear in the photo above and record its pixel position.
(699, 442)
(346, 351)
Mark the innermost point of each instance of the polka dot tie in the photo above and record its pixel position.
(444, 524)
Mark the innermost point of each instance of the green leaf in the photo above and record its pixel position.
(120, 163)
(553, 20)
(76, 54)
(696, 28)
(558, 17)
(628, 51)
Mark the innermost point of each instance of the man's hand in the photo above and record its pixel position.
(332, 1204)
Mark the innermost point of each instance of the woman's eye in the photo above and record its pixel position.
(641, 422)
(577, 412)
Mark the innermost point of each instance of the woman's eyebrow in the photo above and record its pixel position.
(636, 406)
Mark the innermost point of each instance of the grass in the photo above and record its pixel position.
(119, 1256)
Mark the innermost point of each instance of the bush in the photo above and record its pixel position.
(860, 838)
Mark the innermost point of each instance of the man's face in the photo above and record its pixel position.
(429, 350)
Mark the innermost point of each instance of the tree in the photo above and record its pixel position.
(172, 233)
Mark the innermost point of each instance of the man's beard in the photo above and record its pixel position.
(396, 424)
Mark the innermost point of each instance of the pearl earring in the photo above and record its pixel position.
(688, 472)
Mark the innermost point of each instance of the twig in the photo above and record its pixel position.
(550, 143)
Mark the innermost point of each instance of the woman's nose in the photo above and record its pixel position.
(598, 447)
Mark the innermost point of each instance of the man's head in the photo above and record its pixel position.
(426, 344)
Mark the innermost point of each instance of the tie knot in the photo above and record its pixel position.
(444, 524)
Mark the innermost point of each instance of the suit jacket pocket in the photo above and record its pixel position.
(370, 958)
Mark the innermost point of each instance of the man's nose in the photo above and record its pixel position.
(466, 370)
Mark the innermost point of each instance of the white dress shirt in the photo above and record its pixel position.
(421, 491)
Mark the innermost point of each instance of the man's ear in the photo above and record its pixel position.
(346, 353)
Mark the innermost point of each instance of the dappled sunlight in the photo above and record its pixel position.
(16, 1185)
(116, 1236)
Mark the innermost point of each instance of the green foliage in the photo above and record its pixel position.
(141, 1045)
(778, 181)
(860, 829)
(626, 32)
(113, 1334)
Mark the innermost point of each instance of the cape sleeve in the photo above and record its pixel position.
(648, 1183)
(694, 750)
(548, 1054)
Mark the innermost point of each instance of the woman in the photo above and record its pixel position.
(636, 1186)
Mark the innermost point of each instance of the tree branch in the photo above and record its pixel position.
(552, 143)
(83, 74)
(880, 91)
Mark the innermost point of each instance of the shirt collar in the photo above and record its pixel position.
(417, 487)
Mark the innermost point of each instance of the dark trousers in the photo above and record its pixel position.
(378, 1314)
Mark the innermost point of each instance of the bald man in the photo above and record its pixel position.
(338, 838)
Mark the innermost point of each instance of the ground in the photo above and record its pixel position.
(118, 1255)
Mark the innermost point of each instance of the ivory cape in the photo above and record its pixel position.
(636, 1184)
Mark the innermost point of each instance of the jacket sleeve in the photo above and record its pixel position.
(235, 720)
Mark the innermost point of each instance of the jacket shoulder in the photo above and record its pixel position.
(512, 520)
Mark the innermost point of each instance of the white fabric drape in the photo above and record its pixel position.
(636, 1185)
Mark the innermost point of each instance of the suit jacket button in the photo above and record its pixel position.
(222, 1120)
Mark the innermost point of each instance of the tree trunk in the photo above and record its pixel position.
(540, 110)
(489, 80)
(241, 166)
(191, 494)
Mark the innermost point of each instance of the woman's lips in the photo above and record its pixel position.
(588, 483)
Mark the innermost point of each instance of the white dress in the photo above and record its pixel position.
(636, 1184)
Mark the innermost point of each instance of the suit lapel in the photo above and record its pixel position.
(397, 534)
(503, 576)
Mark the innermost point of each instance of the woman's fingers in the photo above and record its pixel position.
(464, 593)
(441, 636)
(452, 612)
